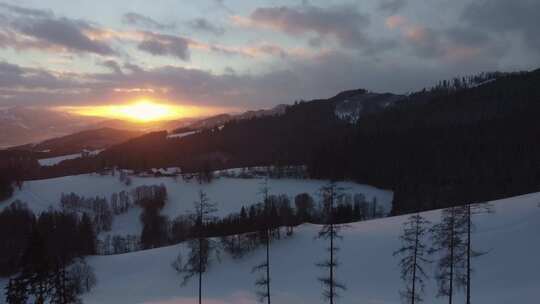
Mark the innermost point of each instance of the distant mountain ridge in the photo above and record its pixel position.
(25, 125)
(221, 119)
(77, 142)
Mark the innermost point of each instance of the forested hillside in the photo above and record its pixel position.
(465, 140)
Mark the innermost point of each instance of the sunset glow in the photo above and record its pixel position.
(143, 110)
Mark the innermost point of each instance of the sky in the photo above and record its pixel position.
(236, 55)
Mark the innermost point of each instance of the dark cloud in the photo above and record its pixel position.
(392, 6)
(112, 65)
(146, 22)
(63, 32)
(344, 22)
(321, 77)
(14, 77)
(201, 24)
(165, 45)
(23, 28)
(503, 16)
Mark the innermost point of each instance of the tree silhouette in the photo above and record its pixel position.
(466, 227)
(263, 281)
(330, 231)
(414, 255)
(449, 244)
(201, 247)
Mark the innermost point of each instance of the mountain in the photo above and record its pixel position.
(221, 119)
(454, 142)
(351, 105)
(22, 125)
(84, 140)
(25, 125)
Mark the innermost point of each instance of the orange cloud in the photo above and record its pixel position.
(395, 21)
(416, 33)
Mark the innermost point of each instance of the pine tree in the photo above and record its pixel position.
(36, 268)
(330, 231)
(414, 256)
(16, 292)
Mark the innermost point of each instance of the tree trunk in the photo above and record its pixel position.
(200, 252)
(451, 282)
(469, 254)
(268, 265)
(331, 263)
(413, 296)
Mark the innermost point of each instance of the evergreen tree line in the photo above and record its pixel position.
(44, 254)
(65, 235)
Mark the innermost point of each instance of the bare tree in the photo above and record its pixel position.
(414, 255)
(448, 243)
(466, 227)
(330, 231)
(264, 280)
(201, 247)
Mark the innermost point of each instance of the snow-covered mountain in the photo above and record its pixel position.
(350, 105)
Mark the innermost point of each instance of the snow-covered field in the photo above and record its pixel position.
(230, 194)
(507, 274)
(56, 160)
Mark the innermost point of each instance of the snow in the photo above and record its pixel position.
(507, 274)
(180, 135)
(56, 160)
(230, 194)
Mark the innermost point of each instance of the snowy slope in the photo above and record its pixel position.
(507, 274)
(56, 160)
(230, 194)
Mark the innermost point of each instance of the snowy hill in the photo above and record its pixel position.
(230, 194)
(507, 274)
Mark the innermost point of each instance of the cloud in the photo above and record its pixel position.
(63, 32)
(201, 24)
(165, 45)
(456, 43)
(24, 28)
(502, 16)
(112, 65)
(27, 11)
(395, 21)
(392, 6)
(320, 76)
(344, 22)
(146, 22)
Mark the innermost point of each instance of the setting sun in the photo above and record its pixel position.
(143, 110)
(146, 111)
